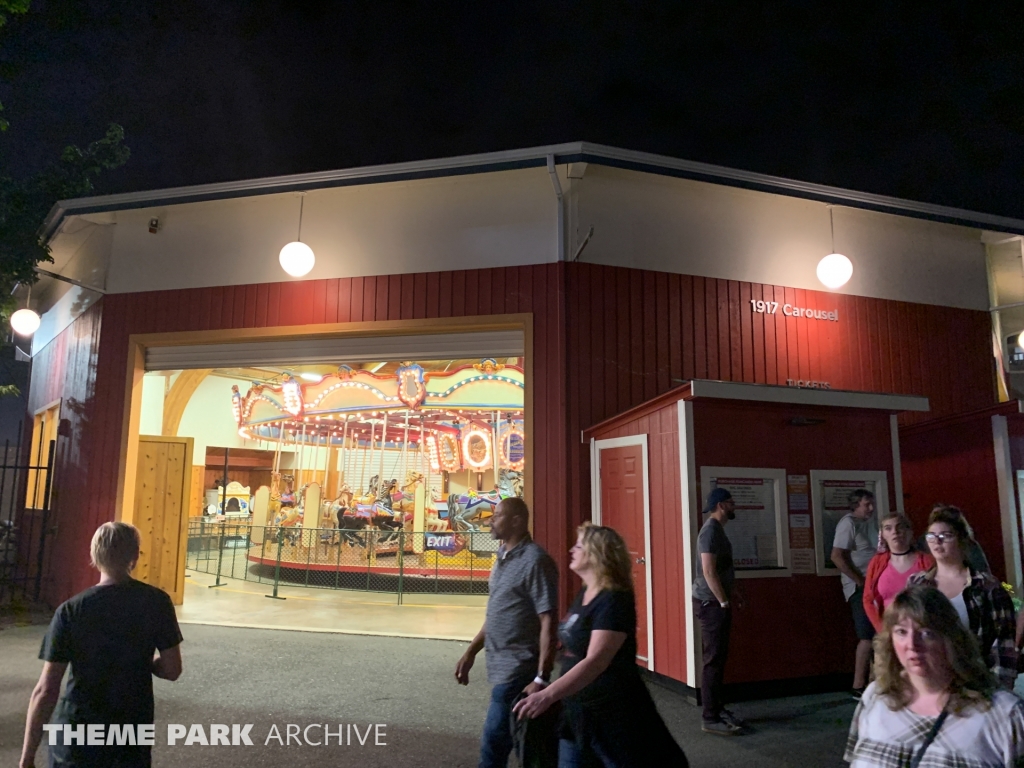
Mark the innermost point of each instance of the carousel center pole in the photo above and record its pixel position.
(383, 444)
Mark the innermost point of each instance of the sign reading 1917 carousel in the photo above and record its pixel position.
(772, 307)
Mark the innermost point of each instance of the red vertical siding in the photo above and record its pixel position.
(953, 461)
(605, 339)
(66, 369)
(802, 642)
(720, 337)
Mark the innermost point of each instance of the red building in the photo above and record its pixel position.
(609, 277)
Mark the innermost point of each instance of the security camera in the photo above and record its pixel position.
(154, 225)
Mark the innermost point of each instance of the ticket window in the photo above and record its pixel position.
(759, 534)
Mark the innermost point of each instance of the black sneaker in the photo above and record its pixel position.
(731, 719)
(856, 693)
(719, 727)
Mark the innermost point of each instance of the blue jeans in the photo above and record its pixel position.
(496, 741)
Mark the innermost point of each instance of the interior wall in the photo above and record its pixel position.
(208, 418)
(151, 418)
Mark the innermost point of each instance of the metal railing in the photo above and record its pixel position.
(25, 523)
(367, 559)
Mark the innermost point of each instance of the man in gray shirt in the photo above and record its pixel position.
(712, 588)
(854, 544)
(520, 627)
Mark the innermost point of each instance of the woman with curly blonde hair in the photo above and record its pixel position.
(933, 693)
(609, 717)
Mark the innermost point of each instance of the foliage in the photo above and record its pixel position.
(10, 7)
(24, 204)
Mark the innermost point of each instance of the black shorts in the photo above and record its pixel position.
(861, 623)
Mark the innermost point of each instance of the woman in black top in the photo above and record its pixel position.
(609, 718)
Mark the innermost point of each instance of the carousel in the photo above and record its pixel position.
(397, 472)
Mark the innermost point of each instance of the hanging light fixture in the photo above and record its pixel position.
(835, 270)
(297, 258)
(25, 321)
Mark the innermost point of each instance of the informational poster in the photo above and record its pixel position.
(835, 504)
(802, 561)
(801, 535)
(754, 532)
(799, 493)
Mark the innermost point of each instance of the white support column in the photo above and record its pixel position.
(688, 483)
(1007, 501)
(897, 468)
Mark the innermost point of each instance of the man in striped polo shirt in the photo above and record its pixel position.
(520, 627)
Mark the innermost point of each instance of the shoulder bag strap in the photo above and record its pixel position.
(919, 755)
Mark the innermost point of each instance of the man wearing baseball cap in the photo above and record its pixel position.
(712, 587)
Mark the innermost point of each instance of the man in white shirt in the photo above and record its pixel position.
(855, 543)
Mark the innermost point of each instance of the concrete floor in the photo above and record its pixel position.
(267, 677)
(244, 604)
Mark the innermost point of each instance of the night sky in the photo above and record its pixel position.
(927, 107)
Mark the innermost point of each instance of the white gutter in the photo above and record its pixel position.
(561, 208)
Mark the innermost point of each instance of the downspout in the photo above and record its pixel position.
(561, 209)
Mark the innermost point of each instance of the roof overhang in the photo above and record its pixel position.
(580, 151)
(698, 389)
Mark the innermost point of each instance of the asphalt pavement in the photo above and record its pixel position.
(404, 688)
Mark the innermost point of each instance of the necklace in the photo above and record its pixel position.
(899, 554)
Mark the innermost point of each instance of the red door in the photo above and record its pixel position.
(622, 508)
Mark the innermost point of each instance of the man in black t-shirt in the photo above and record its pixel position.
(712, 588)
(115, 636)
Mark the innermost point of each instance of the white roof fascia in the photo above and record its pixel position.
(525, 158)
(767, 393)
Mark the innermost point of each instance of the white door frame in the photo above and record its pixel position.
(596, 446)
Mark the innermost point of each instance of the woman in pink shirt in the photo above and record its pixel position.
(896, 561)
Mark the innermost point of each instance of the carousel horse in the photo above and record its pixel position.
(471, 511)
(404, 499)
(510, 483)
(384, 516)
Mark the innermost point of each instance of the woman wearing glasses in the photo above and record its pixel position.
(933, 702)
(889, 570)
(980, 601)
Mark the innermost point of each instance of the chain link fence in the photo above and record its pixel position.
(369, 559)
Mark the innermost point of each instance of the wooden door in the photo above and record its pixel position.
(622, 508)
(162, 483)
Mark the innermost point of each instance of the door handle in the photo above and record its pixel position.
(641, 561)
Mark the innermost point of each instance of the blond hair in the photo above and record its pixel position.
(115, 547)
(972, 682)
(607, 554)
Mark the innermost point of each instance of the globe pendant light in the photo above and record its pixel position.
(835, 270)
(25, 322)
(297, 258)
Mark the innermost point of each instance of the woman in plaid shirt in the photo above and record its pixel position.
(981, 602)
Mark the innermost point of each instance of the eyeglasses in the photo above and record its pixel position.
(937, 537)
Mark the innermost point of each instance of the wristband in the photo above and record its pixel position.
(541, 681)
